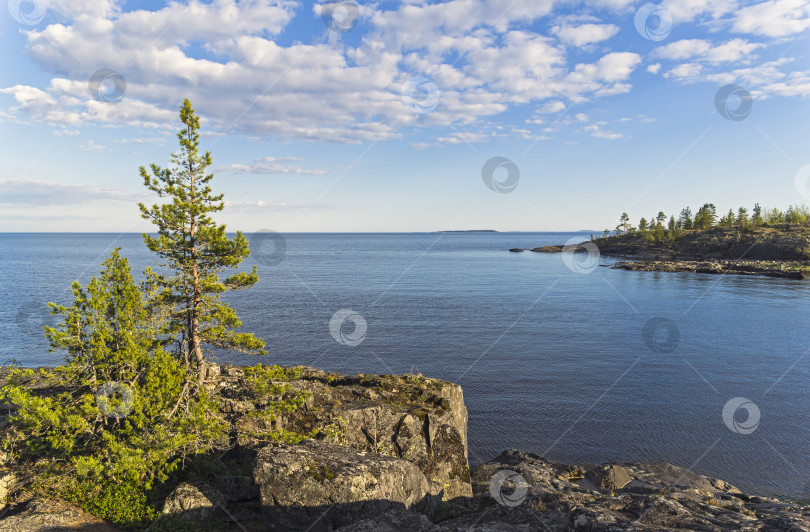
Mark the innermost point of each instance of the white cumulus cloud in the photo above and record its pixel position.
(585, 33)
(774, 18)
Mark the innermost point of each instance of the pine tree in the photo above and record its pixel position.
(742, 217)
(774, 216)
(685, 219)
(196, 250)
(756, 216)
(624, 224)
(706, 216)
(793, 215)
(727, 220)
(658, 233)
(642, 225)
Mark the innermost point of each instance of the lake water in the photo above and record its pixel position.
(552, 360)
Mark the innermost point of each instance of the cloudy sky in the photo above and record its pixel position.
(406, 116)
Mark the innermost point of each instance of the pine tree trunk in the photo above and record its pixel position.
(195, 285)
(194, 339)
(196, 349)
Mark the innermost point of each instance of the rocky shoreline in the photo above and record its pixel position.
(389, 453)
(663, 260)
(761, 268)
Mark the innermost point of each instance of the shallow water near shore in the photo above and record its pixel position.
(551, 361)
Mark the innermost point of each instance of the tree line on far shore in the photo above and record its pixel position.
(658, 228)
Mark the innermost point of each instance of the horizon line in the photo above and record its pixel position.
(487, 231)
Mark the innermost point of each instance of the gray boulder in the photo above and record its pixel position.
(322, 486)
(8, 482)
(609, 478)
(657, 497)
(43, 514)
(196, 502)
(394, 522)
(412, 417)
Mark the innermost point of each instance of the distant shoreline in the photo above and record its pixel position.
(469, 231)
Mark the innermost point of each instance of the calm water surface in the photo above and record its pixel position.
(551, 361)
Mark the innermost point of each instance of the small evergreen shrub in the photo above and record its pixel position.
(115, 421)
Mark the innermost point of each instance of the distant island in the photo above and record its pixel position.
(469, 231)
(772, 243)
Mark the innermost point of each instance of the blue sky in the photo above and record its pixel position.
(364, 116)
